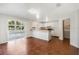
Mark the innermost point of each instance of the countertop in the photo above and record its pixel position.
(42, 30)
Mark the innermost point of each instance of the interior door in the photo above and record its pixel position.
(66, 28)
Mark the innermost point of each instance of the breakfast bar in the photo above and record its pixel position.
(41, 34)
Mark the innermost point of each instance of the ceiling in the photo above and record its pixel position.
(37, 11)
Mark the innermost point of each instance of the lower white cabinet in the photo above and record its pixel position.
(44, 35)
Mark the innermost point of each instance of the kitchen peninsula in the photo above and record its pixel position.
(42, 34)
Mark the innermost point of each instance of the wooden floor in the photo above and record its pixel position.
(14, 47)
(34, 46)
(53, 47)
(58, 47)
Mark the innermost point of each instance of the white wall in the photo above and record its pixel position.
(3, 29)
(74, 29)
(60, 31)
(28, 27)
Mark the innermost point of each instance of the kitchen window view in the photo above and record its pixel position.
(16, 29)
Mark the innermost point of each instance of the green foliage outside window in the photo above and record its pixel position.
(15, 25)
(11, 23)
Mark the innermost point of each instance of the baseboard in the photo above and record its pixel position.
(37, 39)
(3, 43)
(29, 37)
(66, 38)
(74, 45)
(56, 36)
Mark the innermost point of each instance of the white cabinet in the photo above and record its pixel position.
(44, 35)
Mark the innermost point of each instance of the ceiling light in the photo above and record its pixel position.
(33, 11)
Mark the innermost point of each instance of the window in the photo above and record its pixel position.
(19, 26)
(16, 26)
(11, 25)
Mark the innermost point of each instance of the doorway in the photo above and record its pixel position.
(66, 30)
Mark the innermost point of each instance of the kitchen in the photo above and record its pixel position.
(44, 29)
(38, 24)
